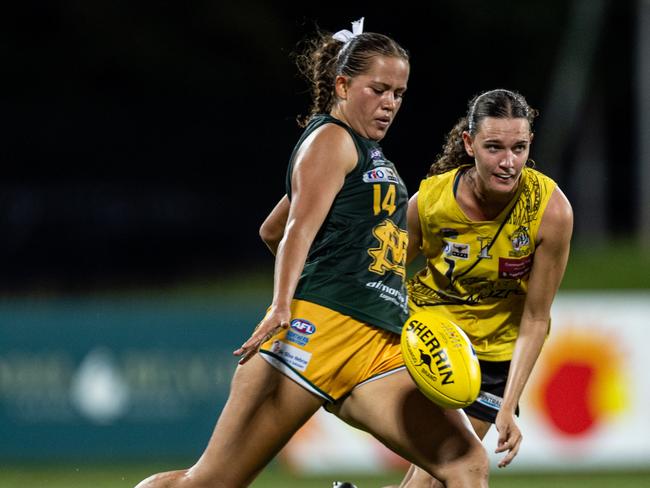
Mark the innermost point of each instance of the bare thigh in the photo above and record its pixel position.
(439, 440)
(416, 477)
(264, 409)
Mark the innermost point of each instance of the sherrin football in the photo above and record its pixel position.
(441, 360)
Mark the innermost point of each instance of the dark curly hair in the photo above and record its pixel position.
(498, 103)
(322, 58)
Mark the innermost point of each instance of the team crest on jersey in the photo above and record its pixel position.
(380, 174)
(456, 250)
(390, 254)
(520, 242)
(376, 156)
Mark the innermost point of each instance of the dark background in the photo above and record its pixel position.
(145, 142)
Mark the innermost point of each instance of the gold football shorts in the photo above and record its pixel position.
(329, 353)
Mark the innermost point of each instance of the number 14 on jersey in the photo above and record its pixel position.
(383, 202)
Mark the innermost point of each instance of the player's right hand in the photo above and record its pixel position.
(273, 322)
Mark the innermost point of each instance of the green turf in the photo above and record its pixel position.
(616, 265)
(126, 476)
(622, 264)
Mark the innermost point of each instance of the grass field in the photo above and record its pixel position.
(126, 476)
(618, 265)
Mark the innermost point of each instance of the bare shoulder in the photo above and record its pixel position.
(559, 208)
(330, 144)
(557, 221)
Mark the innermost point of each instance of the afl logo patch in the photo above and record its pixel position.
(376, 156)
(303, 326)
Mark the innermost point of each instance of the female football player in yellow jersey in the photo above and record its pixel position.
(495, 234)
(331, 335)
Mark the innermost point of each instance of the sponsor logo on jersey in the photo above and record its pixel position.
(381, 174)
(303, 326)
(515, 268)
(299, 339)
(390, 294)
(457, 250)
(489, 400)
(294, 357)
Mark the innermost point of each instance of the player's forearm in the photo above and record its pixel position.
(532, 333)
(289, 263)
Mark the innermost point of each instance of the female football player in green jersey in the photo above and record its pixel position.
(495, 235)
(331, 334)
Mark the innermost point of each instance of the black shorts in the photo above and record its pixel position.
(494, 375)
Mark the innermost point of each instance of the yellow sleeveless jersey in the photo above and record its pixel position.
(477, 271)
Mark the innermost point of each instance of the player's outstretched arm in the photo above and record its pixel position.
(550, 261)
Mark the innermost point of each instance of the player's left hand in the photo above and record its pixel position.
(509, 437)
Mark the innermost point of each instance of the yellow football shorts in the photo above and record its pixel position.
(329, 353)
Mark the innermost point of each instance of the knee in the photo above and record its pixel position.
(472, 469)
(170, 479)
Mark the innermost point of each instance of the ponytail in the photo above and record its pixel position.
(453, 152)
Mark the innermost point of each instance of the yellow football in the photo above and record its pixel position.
(441, 360)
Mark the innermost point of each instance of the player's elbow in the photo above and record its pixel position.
(271, 235)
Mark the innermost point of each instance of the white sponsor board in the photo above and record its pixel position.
(586, 404)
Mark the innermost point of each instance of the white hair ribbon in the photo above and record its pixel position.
(346, 36)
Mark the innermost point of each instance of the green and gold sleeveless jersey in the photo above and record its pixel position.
(356, 264)
(477, 272)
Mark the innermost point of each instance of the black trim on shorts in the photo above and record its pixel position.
(494, 375)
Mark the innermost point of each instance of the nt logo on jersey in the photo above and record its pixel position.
(390, 255)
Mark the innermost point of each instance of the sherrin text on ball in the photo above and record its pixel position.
(441, 360)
